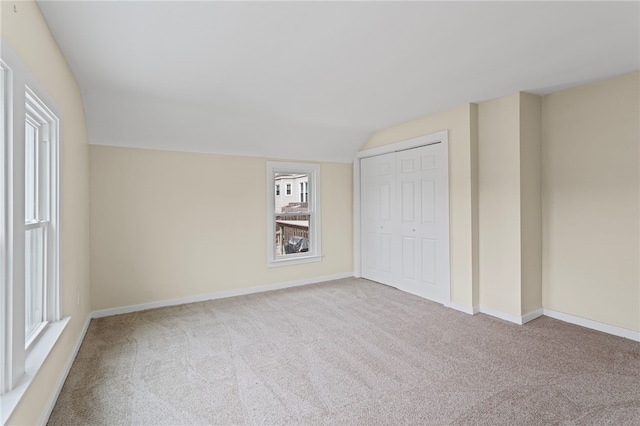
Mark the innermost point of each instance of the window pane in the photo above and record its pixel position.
(30, 172)
(42, 185)
(34, 278)
(293, 198)
(292, 234)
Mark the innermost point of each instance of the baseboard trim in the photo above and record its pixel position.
(532, 315)
(65, 373)
(502, 315)
(212, 296)
(594, 325)
(471, 310)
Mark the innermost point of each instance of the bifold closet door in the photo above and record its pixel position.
(378, 221)
(405, 220)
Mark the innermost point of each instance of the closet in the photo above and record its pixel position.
(405, 220)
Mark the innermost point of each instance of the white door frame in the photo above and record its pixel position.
(433, 138)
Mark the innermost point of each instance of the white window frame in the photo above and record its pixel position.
(288, 189)
(21, 360)
(315, 233)
(37, 111)
(6, 95)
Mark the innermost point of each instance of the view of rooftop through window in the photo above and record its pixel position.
(292, 213)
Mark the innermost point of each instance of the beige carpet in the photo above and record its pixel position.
(347, 352)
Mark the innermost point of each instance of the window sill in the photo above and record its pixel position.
(34, 360)
(294, 261)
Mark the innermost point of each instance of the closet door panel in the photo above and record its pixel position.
(378, 220)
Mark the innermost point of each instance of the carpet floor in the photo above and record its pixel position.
(346, 352)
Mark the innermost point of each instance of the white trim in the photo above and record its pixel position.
(213, 296)
(495, 313)
(6, 231)
(416, 142)
(63, 378)
(471, 310)
(33, 362)
(294, 260)
(312, 170)
(430, 139)
(32, 337)
(571, 319)
(532, 315)
(594, 325)
(516, 319)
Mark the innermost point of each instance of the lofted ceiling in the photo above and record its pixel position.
(314, 80)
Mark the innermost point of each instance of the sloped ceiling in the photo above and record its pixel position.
(313, 80)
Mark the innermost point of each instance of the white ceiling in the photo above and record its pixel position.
(313, 80)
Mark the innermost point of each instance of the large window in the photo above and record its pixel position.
(293, 223)
(40, 206)
(30, 303)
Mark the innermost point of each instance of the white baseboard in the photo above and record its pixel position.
(532, 315)
(516, 319)
(471, 310)
(594, 325)
(495, 313)
(212, 296)
(65, 373)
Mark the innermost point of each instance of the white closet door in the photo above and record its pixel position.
(378, 217)
(423, 216)
(405, 208)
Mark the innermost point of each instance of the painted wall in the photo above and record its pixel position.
(509, 204)
(462, 185)
(530, 202)
(590, 201)
(499, 203)
(166, 225)
(26, 31)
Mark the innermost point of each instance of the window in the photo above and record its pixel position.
(30, 305)
(277, 190)
(40, 202)
(293, 227)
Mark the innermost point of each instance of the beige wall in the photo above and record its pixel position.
(462, 185)
(166, 225)
(590, 188)
(28, 35)
(509, 204)
(499, 203)
(530, 202)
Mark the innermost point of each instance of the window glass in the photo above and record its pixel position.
(30, 171)
(294, 216)
(34, 279)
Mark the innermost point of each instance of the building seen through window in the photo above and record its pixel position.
(292, 213)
